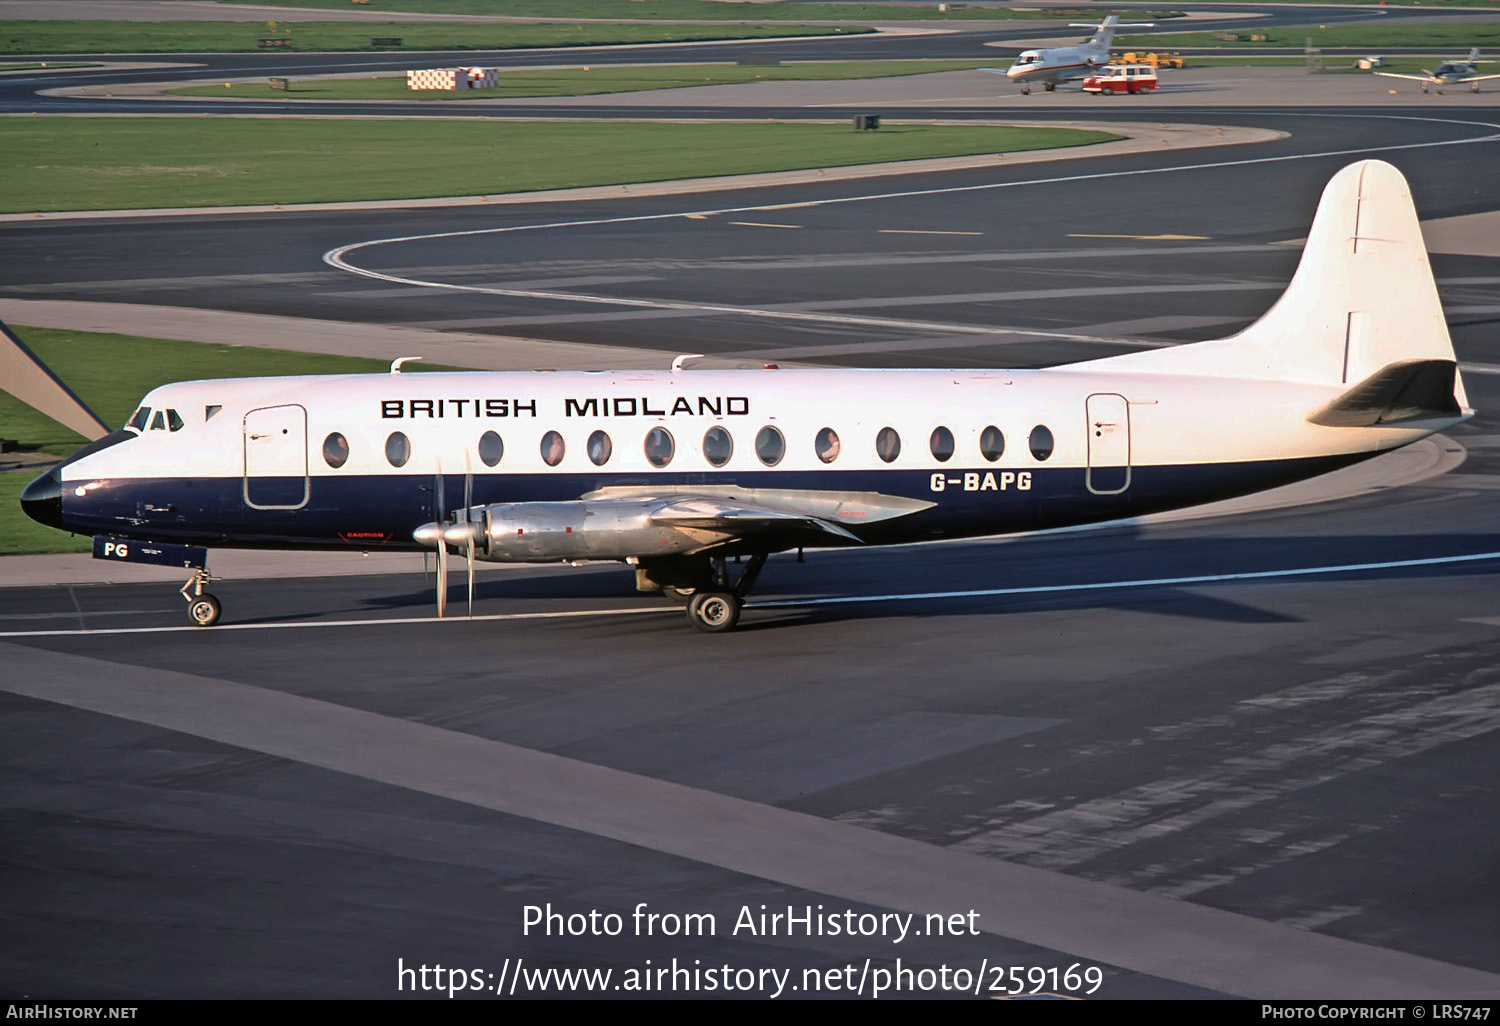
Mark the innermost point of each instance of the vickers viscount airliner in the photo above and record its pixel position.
(678, 472)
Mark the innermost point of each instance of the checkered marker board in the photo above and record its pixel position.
(436, 78)
(451, 78)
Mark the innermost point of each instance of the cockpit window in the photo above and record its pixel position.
(159, 421)
(138, 421)
(174, 422)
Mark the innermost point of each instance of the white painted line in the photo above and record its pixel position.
(338, 257)
(1154, 582)
(1045, 589)
(289, 625)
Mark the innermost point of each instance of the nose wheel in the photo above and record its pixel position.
(203, 609)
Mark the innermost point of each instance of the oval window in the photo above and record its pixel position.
(942, 445)
(888, 444)
(1041, 443)
(717, 446)
(991, 443)
(770, 446)
(600, 448)
(659, 447)
(335, 450)
(826, 445)
(491, 448)
(552, 448)
(397, 449)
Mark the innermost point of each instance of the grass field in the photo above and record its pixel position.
(104, 37)
(135, 163)
(110, 373)
(581, 82)
(1457, 37)
(698, 10)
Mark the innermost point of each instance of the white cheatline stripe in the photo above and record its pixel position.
(337, 257)
(1149, 582)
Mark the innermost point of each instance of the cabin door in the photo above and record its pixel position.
(276, 458)
(1109, 444)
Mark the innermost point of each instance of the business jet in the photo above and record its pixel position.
(1449, 73)
(678, 472)
(1066, 63)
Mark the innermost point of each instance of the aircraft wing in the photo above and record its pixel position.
(1414, 78)
(748, 513)
(993, 71)
(1478, 78)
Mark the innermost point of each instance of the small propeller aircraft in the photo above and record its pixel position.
(1065, 63)
(1449, 73)
(676, 472)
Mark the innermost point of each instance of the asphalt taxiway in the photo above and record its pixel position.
(1237, 756)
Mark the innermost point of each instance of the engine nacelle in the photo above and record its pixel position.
(547, 532)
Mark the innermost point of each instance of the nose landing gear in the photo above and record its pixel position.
(203, 609)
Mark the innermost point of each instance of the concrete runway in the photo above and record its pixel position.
(1247, 756)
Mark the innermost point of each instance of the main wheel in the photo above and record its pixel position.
(204, 610)
(714, 612)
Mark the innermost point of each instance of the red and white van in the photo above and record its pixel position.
(1121, 78)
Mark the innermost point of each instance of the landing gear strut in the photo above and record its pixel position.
(716, 608)
(203, 609)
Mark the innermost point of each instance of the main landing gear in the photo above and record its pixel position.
(703, 583)
(715, 608)
(203, 609)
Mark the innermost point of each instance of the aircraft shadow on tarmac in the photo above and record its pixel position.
(1113, 569)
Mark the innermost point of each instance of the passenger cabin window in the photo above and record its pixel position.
(826, 445)
(552, 448)
(600, 448)
(397, 449)
(491, 448)
(991, 443)
(1041, 443)
(888, 444)
(770, 446)
(335, 450)
(139, 420)
(717, 446)
(660, 447)
(942, 445)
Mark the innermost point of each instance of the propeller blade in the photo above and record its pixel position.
(470, 552)
(442, 578)
(468, 490)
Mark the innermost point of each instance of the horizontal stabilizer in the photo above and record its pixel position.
(26, 377)
(1414, 390)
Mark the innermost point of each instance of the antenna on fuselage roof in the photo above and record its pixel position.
(396, 363)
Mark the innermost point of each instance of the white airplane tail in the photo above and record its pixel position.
(1362, 306)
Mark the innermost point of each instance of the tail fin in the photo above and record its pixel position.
(1474, 55)
(1363, 299)
(1106, 32)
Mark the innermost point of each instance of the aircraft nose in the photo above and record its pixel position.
(42, 499)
